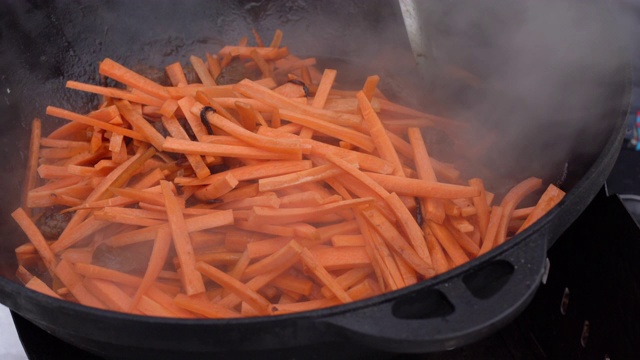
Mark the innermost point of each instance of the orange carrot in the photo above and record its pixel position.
(36, 238)
(192, 281)
(397, 241)
(68, 115)
(449, 243)
(130, 78)
(511, 200)
(289, 215)
(115, 93)
(415, 187)
(140, 124)
(202, 71)
(550, 198)
(156, 262)
(492, 229)
(255, 300)
(378, 134)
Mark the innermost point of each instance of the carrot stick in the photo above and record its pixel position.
(73, 282)
(108, 214)
(267, 143)
(252, 298)
(253, 90)
(140, 124)
(550, 198)
(522, 213)
(202, 71)
(130, 78)
(294, 284)
(68, 115)
(369, 87)
(317, 173)
(360, 177)
(274, 260)
(492, 229)
(511, 200)
(156, 262)
(115, 93)
(394, 239)
(36, 238)
(199, 167)
(277, 39)
(262, 63)
(449, 243)
(38, 285)
(207, 309)
(437, 255)
(198, 148)
(290, 215)
(409, 226)
(324, 87)
(213, 64)
(176, 74)
(378, 134)
(323, 275)
(191, 279)
(31, 176)
(366, 161)
(87, 227)
(346, 257)
(415, 187)
(109, 293)
(334, 130)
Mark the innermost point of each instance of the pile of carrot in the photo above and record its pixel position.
(268, 196)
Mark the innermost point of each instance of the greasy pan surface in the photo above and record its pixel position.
(44, 44)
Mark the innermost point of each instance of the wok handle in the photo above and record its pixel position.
(454, 312)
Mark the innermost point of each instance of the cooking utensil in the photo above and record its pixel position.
(45, 44)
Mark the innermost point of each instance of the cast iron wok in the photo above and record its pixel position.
(46, 43)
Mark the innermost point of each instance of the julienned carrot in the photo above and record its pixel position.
(334, 130)
(40, 286)
(317, 173)
(204, 308)
(342, 258)
(511, 200)
(115, 93)
(410, 227)
(254, 91)
(68, 115)
(246, 152)
(415, 187)
(130, 78)
(140, 124)
(492, 229)
(267, 143)
(202, 71)
(366, 161)
(36, 238)
(397, 241)
(72, 281)
(449, 243)
(550, 198)
(291, 215)
(191, 279)
(378, 133)
(257, 301)
(273, 261)
(345, 173)
(156, 262)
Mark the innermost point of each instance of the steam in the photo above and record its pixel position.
(548, 71)
(547, 76)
